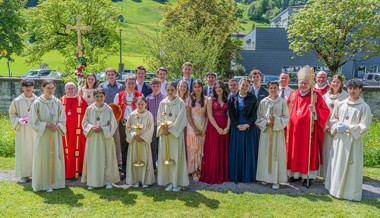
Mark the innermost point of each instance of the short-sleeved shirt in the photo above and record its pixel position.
(111, 90)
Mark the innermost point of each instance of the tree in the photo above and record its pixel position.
(336, 30)
(198, 31)
(47, 26)
(11, 27)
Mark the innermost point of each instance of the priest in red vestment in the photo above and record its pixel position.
(298, 130)
(321, 85)
(74, 141)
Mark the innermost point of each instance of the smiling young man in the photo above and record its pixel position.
(141, 85)
(350, 120)
(19, 114)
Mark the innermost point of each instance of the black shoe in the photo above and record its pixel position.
(292, 179)
(122, 176)
(305, 183)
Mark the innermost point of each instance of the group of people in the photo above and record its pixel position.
(173, 129)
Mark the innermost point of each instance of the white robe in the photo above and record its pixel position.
(48, 173)
(278, 166)
(344, 178)
(25, 135)
(174, 173)
(332, 101)
(143, 174)
(100, 163)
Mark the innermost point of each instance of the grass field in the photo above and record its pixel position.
(20, 200)
(139, 15)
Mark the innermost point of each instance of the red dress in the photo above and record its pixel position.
(215, 158)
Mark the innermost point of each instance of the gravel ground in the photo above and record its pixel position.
(371, 189)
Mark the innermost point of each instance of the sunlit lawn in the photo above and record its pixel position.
(20, 200)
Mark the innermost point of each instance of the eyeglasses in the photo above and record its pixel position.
(303, 83)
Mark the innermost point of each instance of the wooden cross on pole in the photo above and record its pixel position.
(79, 27)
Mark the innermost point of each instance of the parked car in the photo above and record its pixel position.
(238, 78)
(41, 73)
(268, 78)
(371, 79)
(149, 76)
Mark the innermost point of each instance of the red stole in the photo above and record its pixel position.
(74, 141)
(298, 132)
(322, 92)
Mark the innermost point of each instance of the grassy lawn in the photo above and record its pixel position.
(20, 199)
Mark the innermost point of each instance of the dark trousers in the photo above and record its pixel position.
(123, 142)
(154, 147)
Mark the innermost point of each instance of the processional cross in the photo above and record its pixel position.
(79, 27)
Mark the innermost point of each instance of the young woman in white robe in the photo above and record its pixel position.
(332, 98)
(25, 135)
(272, 115)
(172, 109)
(48, 119)
(140, 174)
(100, 163)
(350, 120)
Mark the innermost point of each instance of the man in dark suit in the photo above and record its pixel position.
(187, 67)
(210, 78)
(141, 85)
(256, 89)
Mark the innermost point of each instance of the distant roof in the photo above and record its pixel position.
(286, 10)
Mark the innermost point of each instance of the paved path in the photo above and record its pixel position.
(371, 189)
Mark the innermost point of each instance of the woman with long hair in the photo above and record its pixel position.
(332, 98)
(243, 148)
(196, 128)
(215, 154)
(87, 91)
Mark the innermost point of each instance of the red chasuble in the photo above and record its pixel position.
(74, 141)
(322, 92)
(297, 147)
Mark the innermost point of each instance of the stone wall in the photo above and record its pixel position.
(10, 88)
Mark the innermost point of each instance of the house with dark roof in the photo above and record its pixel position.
(267, 49)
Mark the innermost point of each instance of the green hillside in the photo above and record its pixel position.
(143, 15)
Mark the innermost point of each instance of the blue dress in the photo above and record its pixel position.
(243, 150)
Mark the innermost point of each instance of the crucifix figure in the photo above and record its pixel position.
(79, 27)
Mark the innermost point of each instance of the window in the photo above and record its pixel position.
(377, 78)
(372, 69)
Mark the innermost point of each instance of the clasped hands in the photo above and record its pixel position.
(222, 131)
(138, 138)
(270, 122)
(97, 128)
(52, 127)
(342, 127)
(243, 127)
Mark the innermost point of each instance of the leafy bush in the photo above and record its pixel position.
(7, 137)
(371, 142)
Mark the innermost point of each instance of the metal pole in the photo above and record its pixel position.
(121, 66)
(9, 68)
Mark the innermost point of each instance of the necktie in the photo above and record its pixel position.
(209, 91)
(283, 93)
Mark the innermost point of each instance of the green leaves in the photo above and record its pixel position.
(337, 29)
(197, 31)
(11, 26)
(47, 23)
